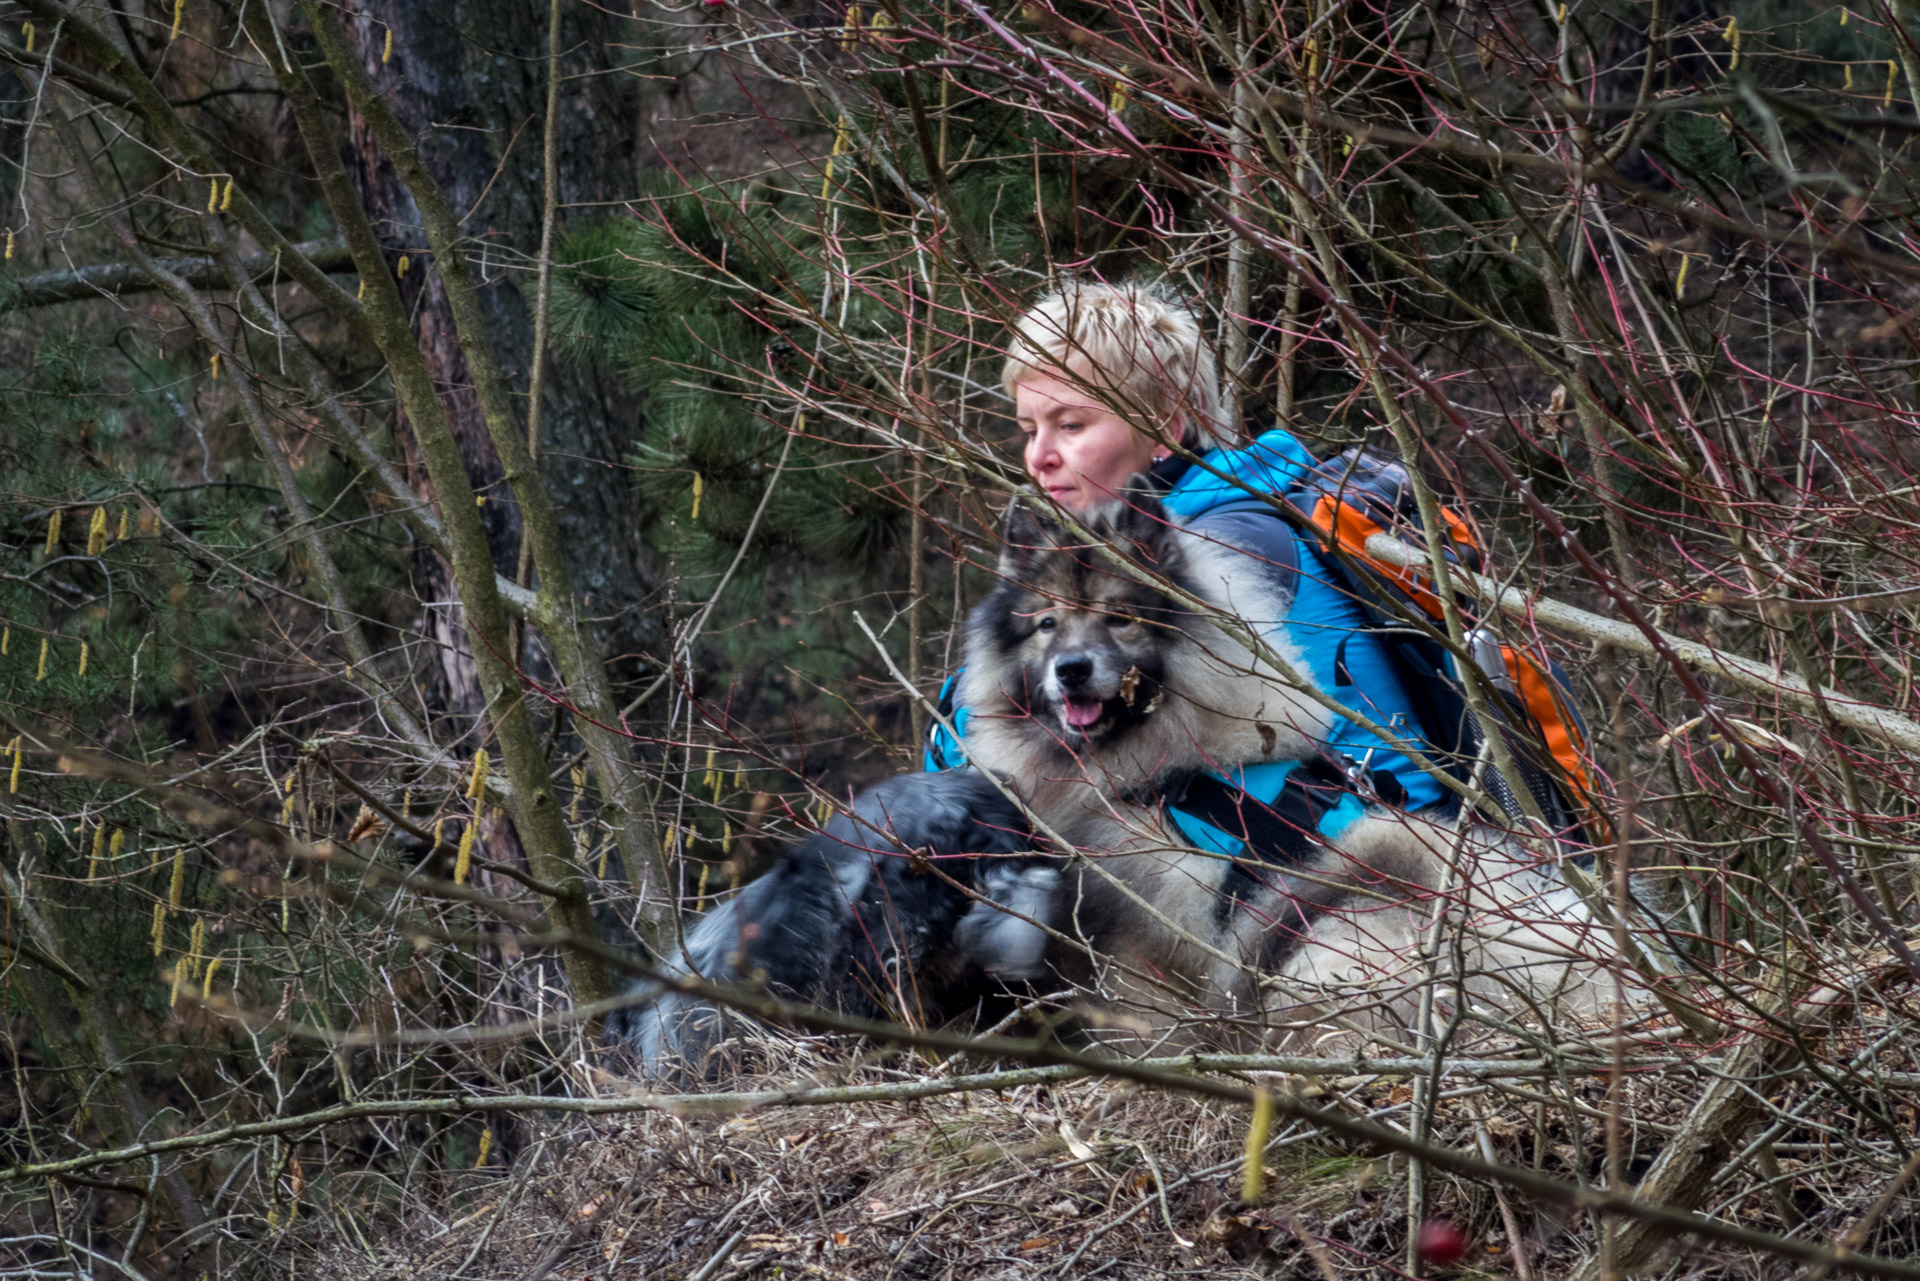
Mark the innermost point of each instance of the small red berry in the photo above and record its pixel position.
(1441, 1241)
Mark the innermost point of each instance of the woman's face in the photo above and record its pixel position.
(1079, 451)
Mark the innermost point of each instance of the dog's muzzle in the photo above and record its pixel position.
(1079, 705)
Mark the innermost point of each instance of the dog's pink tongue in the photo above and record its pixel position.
(1083, 711)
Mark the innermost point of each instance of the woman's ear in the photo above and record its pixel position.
(1185, 435)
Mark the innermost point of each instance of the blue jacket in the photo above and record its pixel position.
(1344, 660)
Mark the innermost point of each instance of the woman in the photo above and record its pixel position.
(1106, 380)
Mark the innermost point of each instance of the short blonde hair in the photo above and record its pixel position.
(1134, 345)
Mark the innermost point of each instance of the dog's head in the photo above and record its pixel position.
(1087, 640)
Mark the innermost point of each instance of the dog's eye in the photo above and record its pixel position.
(1120, 622)
(1047, 623)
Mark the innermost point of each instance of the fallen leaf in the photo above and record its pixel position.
(1226, 1225)
(1031, 1244)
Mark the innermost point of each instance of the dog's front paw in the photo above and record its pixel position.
(1008, 936)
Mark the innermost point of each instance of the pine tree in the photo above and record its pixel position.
(700, 299)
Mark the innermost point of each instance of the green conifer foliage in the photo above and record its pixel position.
(693, 298)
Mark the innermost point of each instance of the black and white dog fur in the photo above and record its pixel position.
(1098, 671)
(853, 917)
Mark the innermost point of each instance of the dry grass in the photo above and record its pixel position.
(1077, 1180)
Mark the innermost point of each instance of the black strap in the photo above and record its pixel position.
(1275, 833)
(1282, 833)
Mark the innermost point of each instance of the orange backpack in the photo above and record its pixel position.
(1360, 493)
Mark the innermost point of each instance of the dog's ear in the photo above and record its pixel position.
(1023, 534)
(1141, 525)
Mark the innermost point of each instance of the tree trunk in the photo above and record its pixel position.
(468, 78)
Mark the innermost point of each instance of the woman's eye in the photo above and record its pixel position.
(1046, 624)
(1070, 426)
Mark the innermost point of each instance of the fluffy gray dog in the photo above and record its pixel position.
(1103, 677)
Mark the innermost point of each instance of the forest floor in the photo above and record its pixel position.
(1083, 1179)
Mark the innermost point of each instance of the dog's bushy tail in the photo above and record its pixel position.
(852, 917)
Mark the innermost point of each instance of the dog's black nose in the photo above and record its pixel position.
(1072, 673)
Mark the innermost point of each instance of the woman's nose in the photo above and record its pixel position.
(1041, 455)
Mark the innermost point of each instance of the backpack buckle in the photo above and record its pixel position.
(1372, 786)
(1349, 774)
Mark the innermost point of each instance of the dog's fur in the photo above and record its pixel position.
(1178, 689)
(1092, 682)
(853, 917)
